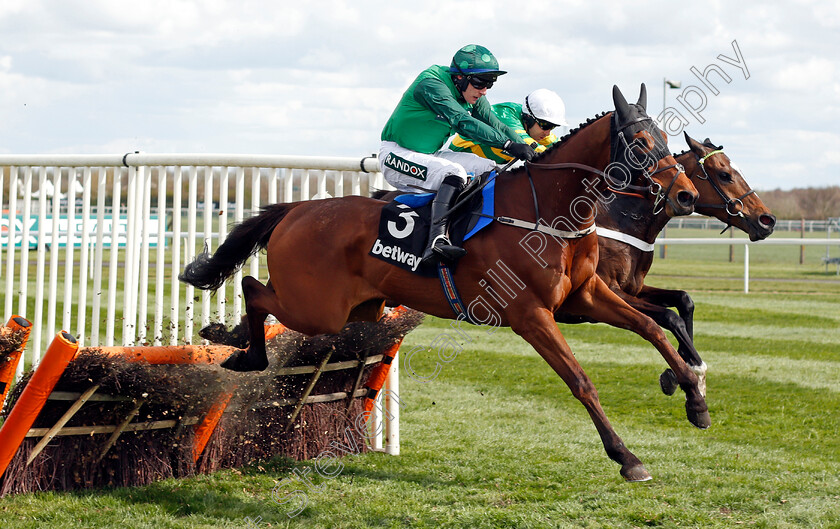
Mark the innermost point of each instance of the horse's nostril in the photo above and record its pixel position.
(686, 198)
(768, 221)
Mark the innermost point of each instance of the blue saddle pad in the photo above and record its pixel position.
(404, 227)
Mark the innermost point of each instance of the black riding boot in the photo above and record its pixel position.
(439, 246)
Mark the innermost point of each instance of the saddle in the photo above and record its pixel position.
(404, 224)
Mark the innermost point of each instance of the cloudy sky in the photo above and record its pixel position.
(308, 78)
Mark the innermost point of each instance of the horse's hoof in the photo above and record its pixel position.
(242, 362)
(636, 473)
(700, 419)
(668, 382)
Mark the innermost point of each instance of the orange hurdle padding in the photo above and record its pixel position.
(8, 368)
(204, 429)
(377, 377)
(274, 329)
(34, 395)
(170, 354)
(396, 312)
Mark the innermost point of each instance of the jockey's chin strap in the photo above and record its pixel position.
(734, 207)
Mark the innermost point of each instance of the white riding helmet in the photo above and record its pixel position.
(545, 105)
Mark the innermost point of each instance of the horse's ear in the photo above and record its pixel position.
(695, 147)
(621, 106)
(642, 102)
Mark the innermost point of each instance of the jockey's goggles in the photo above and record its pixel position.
(545, 125)
(481, 82)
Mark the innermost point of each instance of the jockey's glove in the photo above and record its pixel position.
(520, 151)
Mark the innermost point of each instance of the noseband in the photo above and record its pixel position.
(738, 210)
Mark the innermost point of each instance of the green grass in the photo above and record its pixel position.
(497, 440)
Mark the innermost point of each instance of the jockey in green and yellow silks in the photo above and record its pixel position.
(533, 121)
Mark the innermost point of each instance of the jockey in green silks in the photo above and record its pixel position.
(440, 102)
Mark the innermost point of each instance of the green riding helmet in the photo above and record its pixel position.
(475, 64)
(474, 59)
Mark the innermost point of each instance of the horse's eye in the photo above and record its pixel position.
(724, 176)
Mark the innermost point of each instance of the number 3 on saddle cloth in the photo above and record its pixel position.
(404, 231)
(404, 227)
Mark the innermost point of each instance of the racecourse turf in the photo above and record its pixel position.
(497, 440)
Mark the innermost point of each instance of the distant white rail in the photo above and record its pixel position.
(747, 243)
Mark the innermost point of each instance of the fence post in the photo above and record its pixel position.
(731, 247)
(392, 445)
(802, 236)
(746, 268)
(663, 248)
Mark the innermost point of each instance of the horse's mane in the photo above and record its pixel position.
(707, 142)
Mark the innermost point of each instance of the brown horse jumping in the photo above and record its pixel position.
(323, 277)
(624, 264)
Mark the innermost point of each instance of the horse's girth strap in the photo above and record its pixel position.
(560, 234)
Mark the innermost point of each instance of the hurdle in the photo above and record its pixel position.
(130, 415)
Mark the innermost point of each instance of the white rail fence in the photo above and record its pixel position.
(767, 242)
(698, 221)
(119, 228)
(110, 233)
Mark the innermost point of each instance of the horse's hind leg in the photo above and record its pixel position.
(238, 336)
(260, 301)
(537, 327)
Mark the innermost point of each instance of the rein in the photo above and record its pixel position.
(536, 226)
(463, 199)
(654, 188)
(738, 210)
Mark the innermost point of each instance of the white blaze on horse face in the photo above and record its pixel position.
(738, 169)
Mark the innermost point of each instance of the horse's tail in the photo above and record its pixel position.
(247, 238)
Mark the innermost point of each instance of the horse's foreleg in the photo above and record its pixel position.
(678, 299)
(670, 320)
(537, 327)
(259, 303)
(602, 304)
(654, 303)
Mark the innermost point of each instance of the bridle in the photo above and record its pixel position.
(653, 187)
(738, 209)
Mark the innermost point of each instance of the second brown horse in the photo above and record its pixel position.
(627, 228)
